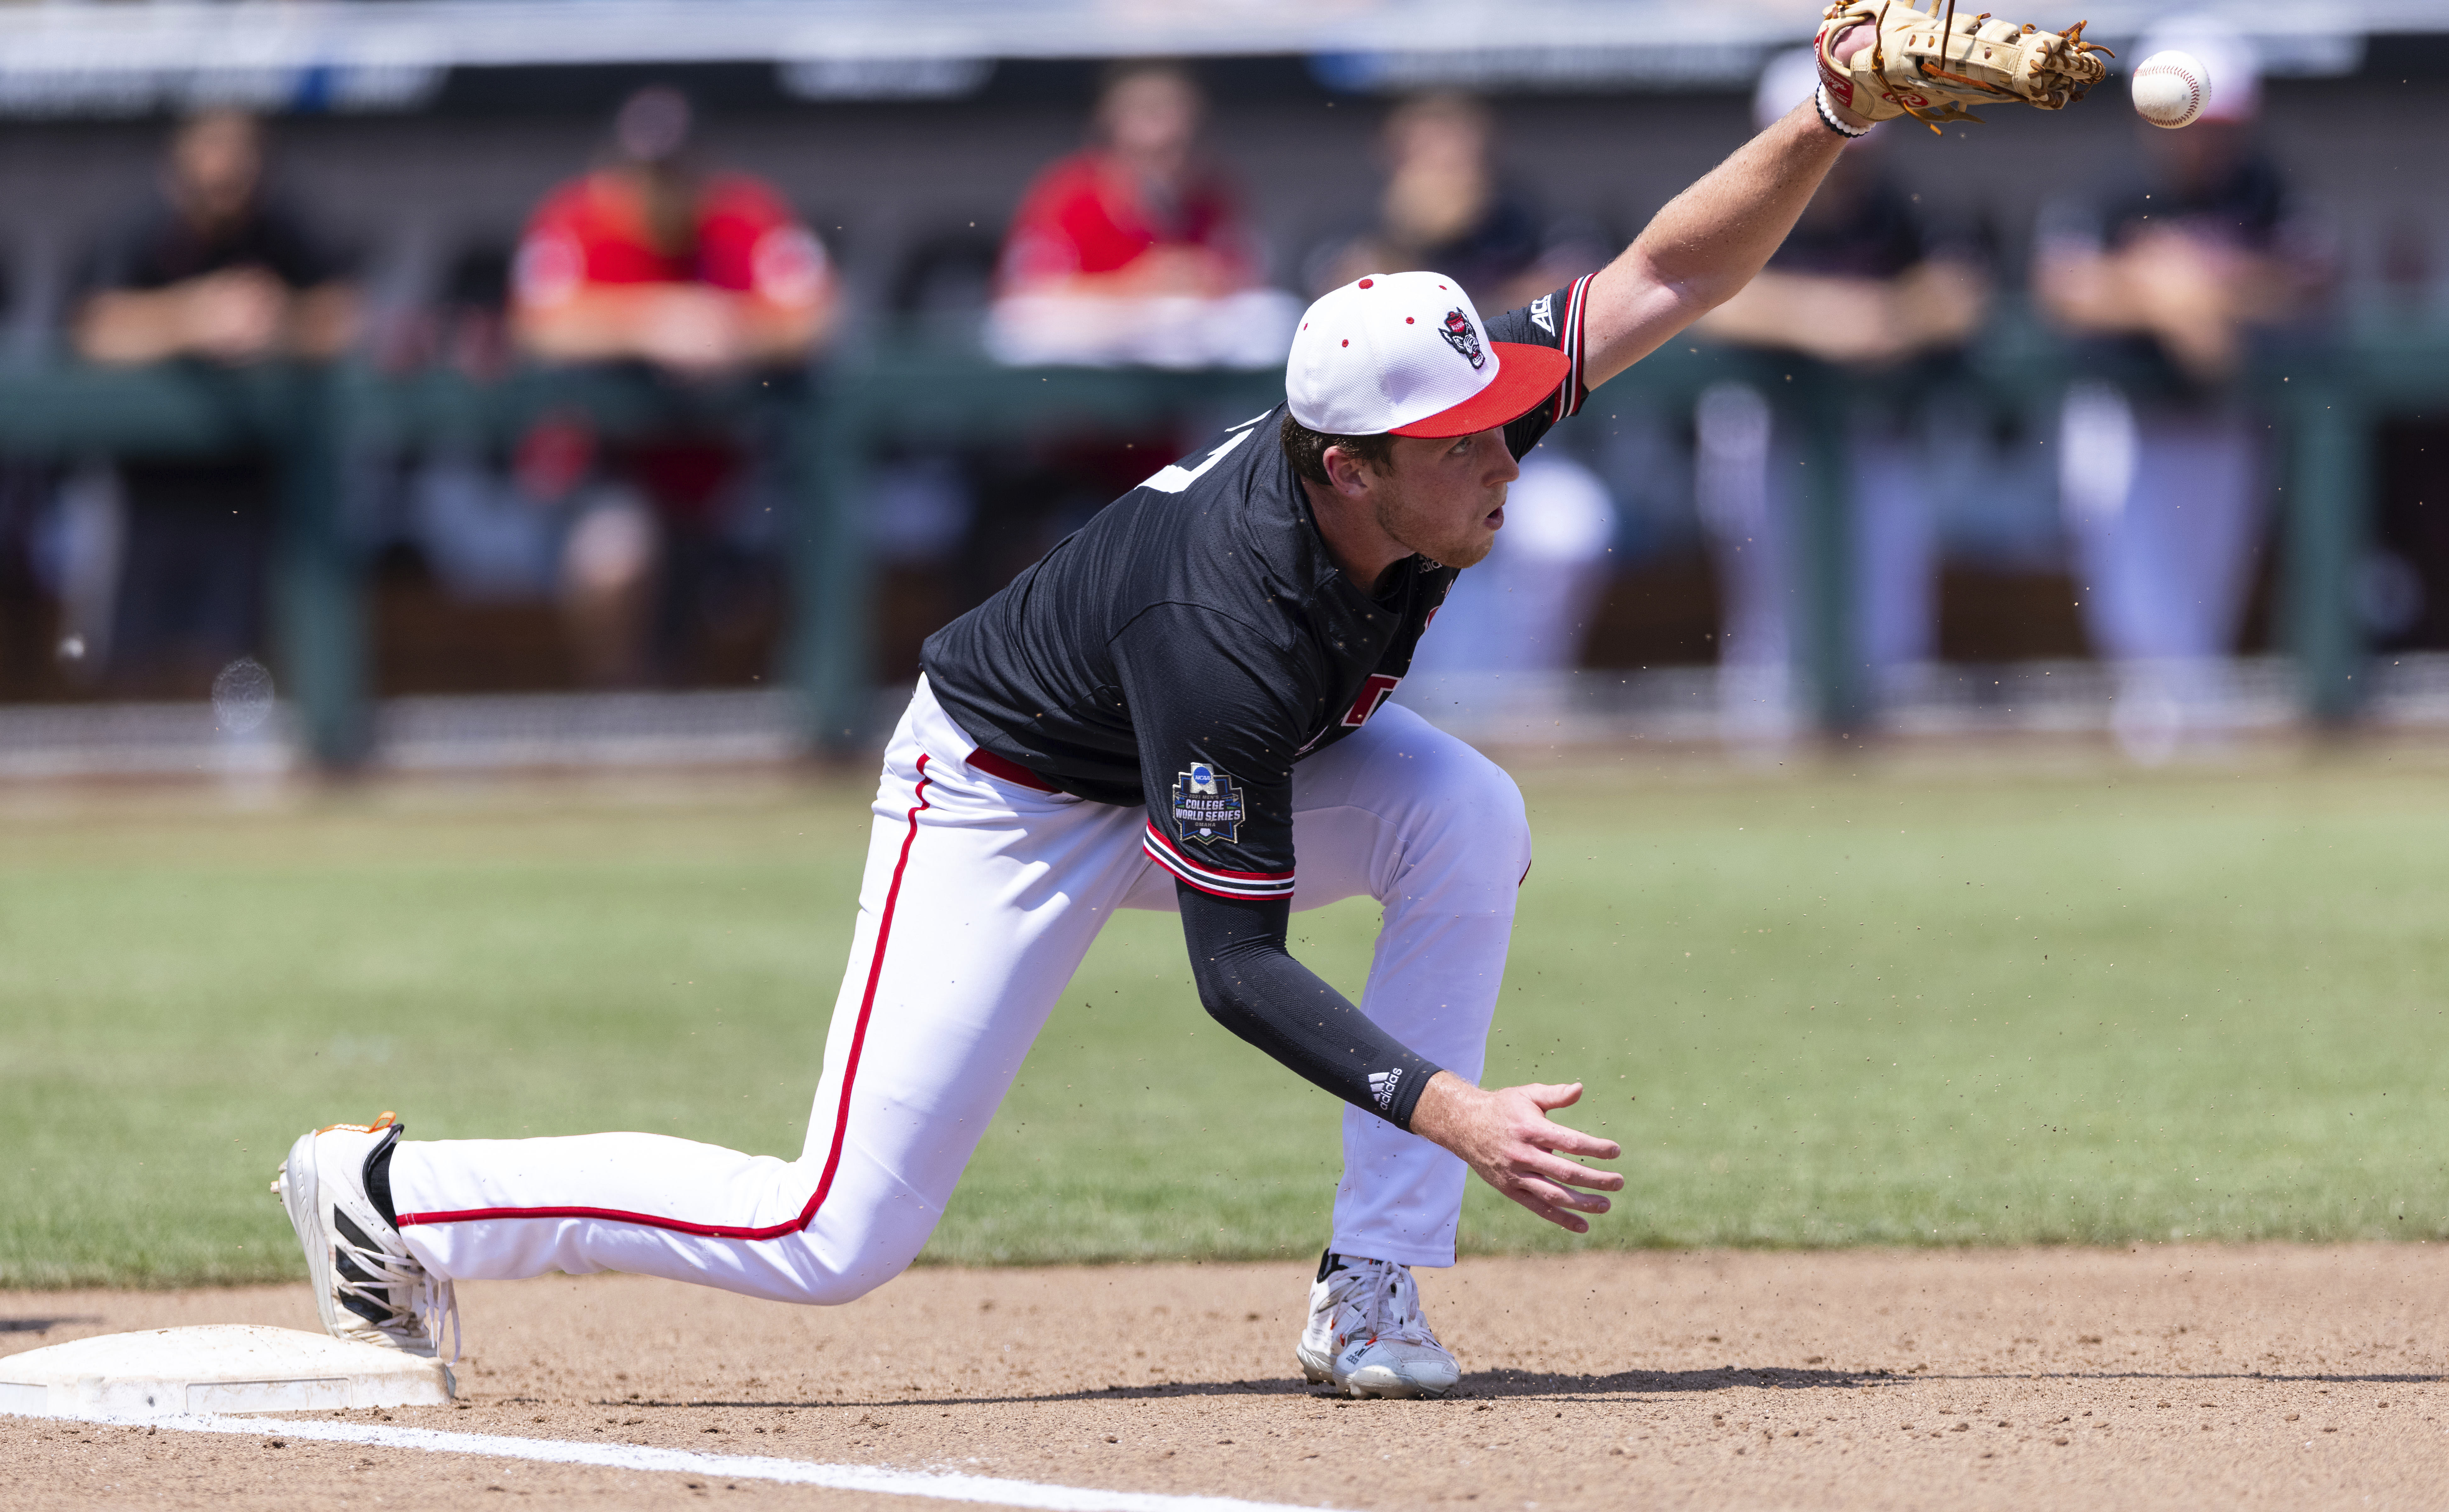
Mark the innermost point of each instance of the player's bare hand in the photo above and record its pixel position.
(1849, 42)
(1506, 1136)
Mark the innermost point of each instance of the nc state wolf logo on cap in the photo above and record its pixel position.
(1459, 336)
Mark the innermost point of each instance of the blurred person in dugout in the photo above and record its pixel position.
(1136, 249)
(1448, 207)
(705, 277)
(2166, 275)
(1865, 283)
(215, 268)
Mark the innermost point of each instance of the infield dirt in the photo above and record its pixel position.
(2167, 1376)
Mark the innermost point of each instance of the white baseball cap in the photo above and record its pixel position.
(1404, 354)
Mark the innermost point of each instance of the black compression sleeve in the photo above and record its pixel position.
(1253, 986)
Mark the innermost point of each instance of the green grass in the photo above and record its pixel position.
(1972, 1006)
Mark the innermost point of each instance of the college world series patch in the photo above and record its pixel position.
(1207, 806)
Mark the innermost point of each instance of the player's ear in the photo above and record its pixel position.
(1348, 475)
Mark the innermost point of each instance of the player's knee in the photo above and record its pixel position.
(831, 1285)
(866, 1233)
(837, 1290)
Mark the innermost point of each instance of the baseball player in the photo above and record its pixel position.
(1183, 707)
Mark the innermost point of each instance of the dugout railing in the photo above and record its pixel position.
(2325, 399)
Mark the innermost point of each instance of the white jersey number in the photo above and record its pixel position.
(1173, 478)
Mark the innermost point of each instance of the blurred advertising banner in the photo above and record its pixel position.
(75, 60)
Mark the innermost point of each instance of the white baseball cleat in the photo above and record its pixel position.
(1366, 1333)
(368, 1287)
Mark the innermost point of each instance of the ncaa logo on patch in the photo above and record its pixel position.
(1207, 807)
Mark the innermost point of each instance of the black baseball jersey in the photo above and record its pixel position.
(2246, 208)
(157, 246)
(1195, 639)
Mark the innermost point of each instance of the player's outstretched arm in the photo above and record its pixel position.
(1710, 240)
(1506, 1136)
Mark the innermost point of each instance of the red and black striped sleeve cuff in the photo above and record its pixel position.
(1215, 880)
(1570, 393)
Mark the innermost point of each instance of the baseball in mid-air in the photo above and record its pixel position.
(2172, 88)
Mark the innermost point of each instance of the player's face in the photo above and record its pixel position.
(1445, 499)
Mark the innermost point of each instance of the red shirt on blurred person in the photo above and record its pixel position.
(650, 259)
(1137, 214)
(1086, 215)
(647, 258)
(601, 230)
(1135, 251)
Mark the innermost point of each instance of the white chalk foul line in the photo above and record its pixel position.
(943, 1485)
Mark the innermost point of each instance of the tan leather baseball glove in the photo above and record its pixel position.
(1908, 70)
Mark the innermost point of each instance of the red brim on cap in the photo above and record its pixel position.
(1526, 377)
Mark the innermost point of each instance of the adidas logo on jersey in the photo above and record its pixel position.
(1381, 1088)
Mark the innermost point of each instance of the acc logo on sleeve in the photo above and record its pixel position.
(1206, 806)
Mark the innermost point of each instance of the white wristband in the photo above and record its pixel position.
(1828, 114)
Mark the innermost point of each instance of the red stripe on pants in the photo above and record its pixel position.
(841, 1114)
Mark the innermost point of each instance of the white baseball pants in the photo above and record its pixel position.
(981, 899)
